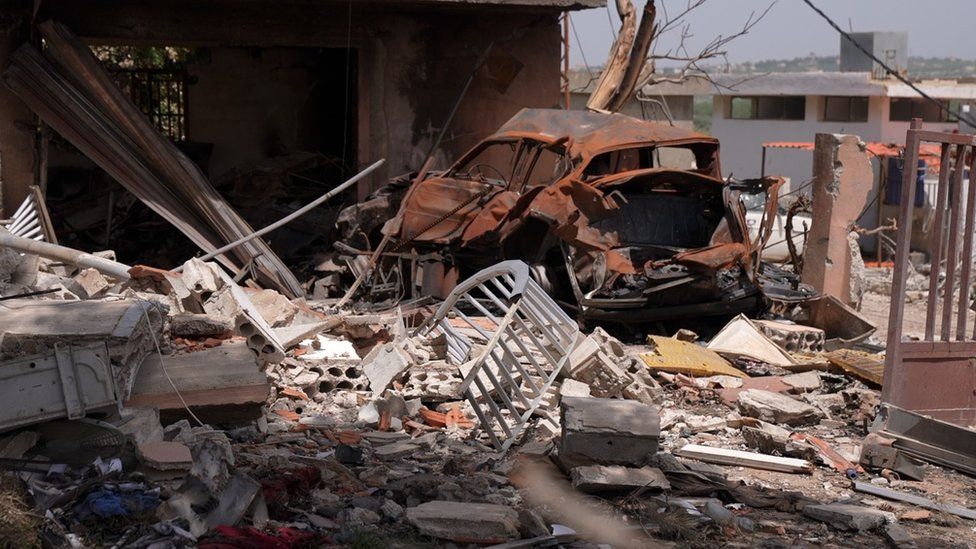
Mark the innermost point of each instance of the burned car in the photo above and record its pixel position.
(619, 219)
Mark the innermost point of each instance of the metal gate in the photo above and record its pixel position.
(936, 376)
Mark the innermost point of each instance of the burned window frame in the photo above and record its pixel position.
(160, 94)
(524, 160)
(706, 155)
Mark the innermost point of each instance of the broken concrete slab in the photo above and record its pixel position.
(220, 384)
(573, 388)
(594, 479)
(776, 408)
(396, 450)
(803, 382)
(384, 364)
(274, 308)
(92, 282)
(481, 523)
(843, 516)
(898, 537)
(614, 432)
(591, 365)
(197, 325)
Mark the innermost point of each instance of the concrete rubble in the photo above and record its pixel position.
(193, 407)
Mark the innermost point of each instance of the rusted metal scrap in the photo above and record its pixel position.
(611, 213)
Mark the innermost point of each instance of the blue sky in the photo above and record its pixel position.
(937, 28)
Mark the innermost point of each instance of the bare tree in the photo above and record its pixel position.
(636, 52)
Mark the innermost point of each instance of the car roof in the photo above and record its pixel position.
(593, 132)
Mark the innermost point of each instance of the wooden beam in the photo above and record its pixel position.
(745, 459)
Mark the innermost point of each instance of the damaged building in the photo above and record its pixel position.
(322, 274)
(321, 88)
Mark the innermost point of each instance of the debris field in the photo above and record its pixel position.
(578, 347)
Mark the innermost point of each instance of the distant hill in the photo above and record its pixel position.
(918, 67)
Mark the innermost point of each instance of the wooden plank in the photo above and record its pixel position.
(745, 459)
(864, 366)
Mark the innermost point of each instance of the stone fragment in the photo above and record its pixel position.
(92, 282)
(594, 479)
(396, 450)
(573, 388)
(843, 516)
(776, 408)
(274, 308)
(199, 325)
(166, 456)
(482, 523)
(613, 432)
(391, 509)
(384, 364)
(803, 382)
(898, 536)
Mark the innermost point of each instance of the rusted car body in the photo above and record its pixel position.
(619, 218)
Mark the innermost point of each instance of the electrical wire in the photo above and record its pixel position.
(907, 82)
(162, 365)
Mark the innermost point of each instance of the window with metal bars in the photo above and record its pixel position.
(161, 94)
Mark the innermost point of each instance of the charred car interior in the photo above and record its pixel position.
(609, 212)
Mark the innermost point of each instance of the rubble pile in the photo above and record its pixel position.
(191, 411)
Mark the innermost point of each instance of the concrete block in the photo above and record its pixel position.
(199, 325)
(795, 338)
(274, 308)
(613, 432)
(92, 282)
(776, 408)
(594, 479)
(481, 523)
(848, 517)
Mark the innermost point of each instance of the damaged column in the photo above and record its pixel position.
(842, 179)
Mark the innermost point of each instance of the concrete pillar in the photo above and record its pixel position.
(842, 180)
(16, 120)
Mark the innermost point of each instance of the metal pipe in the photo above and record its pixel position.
(114, 269)
(294, 215)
